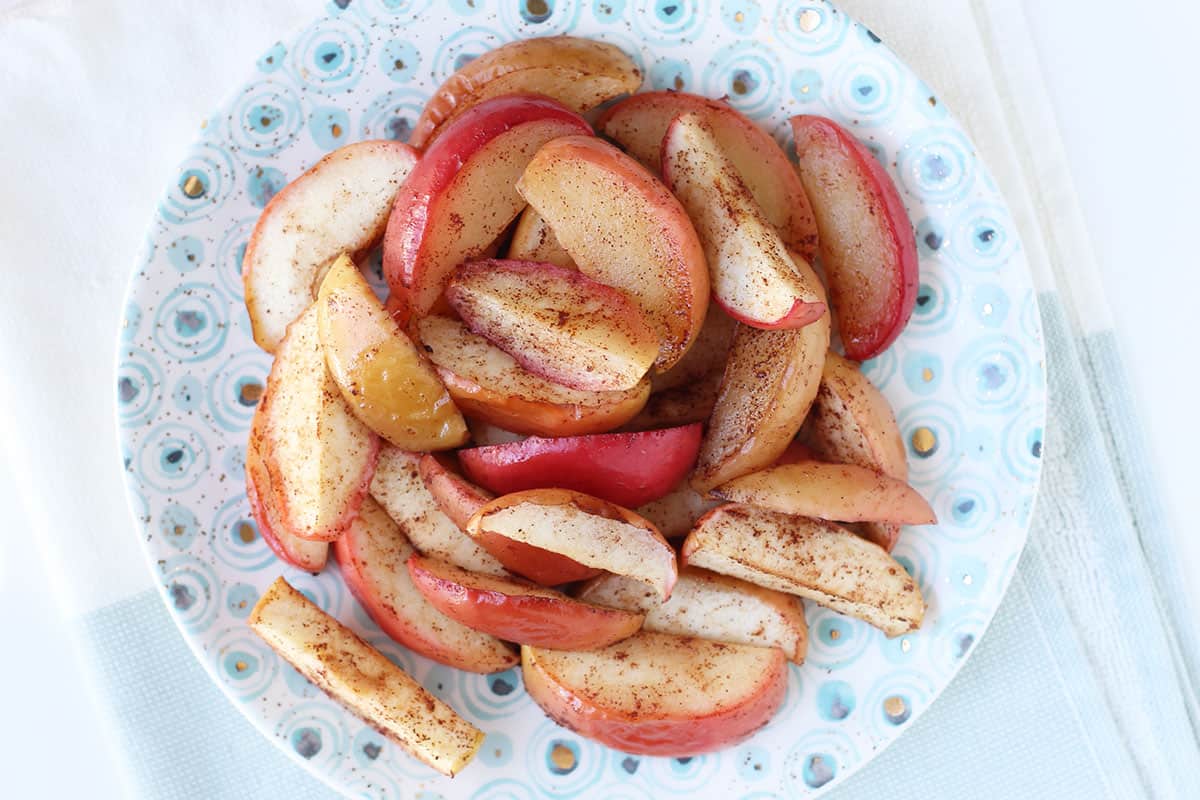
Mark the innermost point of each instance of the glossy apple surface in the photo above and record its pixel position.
(533, 240)
(853, 423)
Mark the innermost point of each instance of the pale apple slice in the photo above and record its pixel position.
(462, 195)
(704, 358)
(519, 611)
(579, 73)
(398, 487)
(488, 383)
(319, 455)
(681, 405)
(533, 240)
(622, 227)
(659, 695)
(485, 433)
(372, 556)
(868, 248)
(556, 323)
(340, 205)
(591, 531)
(676, 513)
(640, 122)
(457, 497)
(754, 277)
(386, 381)
(852, 422)
(810, 558)
(363, 680)
(710, 606)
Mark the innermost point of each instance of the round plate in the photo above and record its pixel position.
(966, 380)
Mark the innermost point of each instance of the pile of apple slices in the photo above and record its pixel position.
(591, 346)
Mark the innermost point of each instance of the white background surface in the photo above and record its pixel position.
(1121, 77)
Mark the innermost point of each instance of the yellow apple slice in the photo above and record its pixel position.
(533, 240)
(675, 514)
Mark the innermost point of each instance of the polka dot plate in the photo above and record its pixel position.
(966, 380)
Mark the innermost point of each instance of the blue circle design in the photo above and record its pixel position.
(938, 165)
(659, 22)
(187, 394)
(754, 763)
(327, 57)
(835, 701)
(457, 50)
(178, 526)
(492, 697)
(240, 600)
(671, 73)
(931, 236)
(273, 58)
(608, 10)
(866, 91)
(810, 28)
(191, 588)
(212, 167)
(266, 118)
(329, 127)
(234, 388)
(192, 322)
(983, 237)
(230, 253)
(748, 74)
(139, 388)
(806, 85)
(315, 731)
(496, 750)
(992, 374)
(185, 253)
(235, 537)
(400, 60)
(391, 116)
(741, 16)
(245, 664)
(922, 372)
(264, 183)
(172, 458)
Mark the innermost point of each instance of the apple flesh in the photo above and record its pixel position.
(754, 277)
(853, 423)
(579, 73)
(868, 248)
(462, 194)
(629, 469)
(457, 497)
(556, 323)
(533, 240)
(623, 228)
(659, 695)
(704, 358)
(676, 513)
(340, 205)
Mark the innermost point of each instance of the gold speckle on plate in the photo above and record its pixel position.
(240, 666)
(250, 393)
(336, 130)
(905, 645)
(923, 441)
(894, 706)
(927, 374)
(967, 580)
(835, 634)
(987, 309)
(739, 18)
(562, 757)
(739, 86)
(245, 532)
(192, 187)
(810, 20)
(178, 530)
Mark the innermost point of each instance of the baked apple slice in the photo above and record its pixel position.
(338, 206)
(676, 513)
(462, 194)
(681, 405)
(457, 497)
(754, 277)
(386, 381)
(556, 323)
(868, 248)
(705, 358)
(487, 383)
(372, 556)
(639, 124)
(519, 611)
(363, 680)
(711, 606)
(579, 73)
(656, 694)
(532, 240)
(320, 457)
(853, 423)
(485, 433)
(810, 558)
(622, 227)
(586, 529)
(629, 469)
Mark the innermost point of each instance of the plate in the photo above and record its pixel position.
(966, 380)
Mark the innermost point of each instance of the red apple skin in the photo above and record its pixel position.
(518, 613)
(308, 556)
(865, 332)
(801, 314)
(629, 469)
(458, 498)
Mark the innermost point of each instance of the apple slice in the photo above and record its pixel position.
(556, 323)
(363, 680)
(519, 611)
(867, 244)
(372, 556)
(340, 205)
(629, 469)
(319, 456)
(711, 606)
(810, 558)
(384, 379)
(675, 513)
(532, 240)
(682, 405)
(622, 227)
(487, 383)
(586, 529)
(754, 277)
(639, 124)
(462, 195)
(852, 422)
(659, 695)
(839, 492)
(398, 487)
(704, 358)
(457, 497)
(579, 73)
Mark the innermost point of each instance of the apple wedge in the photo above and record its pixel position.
(488, 383)
(462, 194)
(852, 422)
(532, 240)
(386, 381)
(372, 556)
(485, 433)
(556, 323)
(363, 680)
(629, 469)
(397, 486)
(319, 456)
(622, 227)
(586, 529)
(639, 124)
(754, 278)
(705, 358)
(681, 405)
(457, 497)
(810, 558)
(868, 248)
(579, 73)
(338, 206)
(710, 606)
(656, 694)
(676, 513)
(841, 492)
(519, 611)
